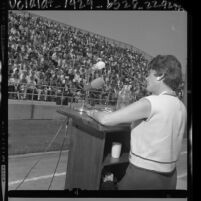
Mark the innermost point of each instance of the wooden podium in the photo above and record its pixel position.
(90, 146)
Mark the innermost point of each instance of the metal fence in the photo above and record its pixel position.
(47, 93)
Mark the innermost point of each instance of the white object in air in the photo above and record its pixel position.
(99, 65)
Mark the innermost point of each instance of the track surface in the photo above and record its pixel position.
(40, 177)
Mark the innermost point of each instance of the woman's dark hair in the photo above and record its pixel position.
(170, 67)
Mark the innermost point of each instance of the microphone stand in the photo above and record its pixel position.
(90, 70)
(84, 103)
(87, 91)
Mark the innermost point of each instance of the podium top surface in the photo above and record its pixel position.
(81, 117)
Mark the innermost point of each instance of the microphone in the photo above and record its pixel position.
(98, 82)
(95, 84)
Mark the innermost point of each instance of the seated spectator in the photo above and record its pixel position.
(31, 88)
(23, 86)
(63, 51)
(11, 87)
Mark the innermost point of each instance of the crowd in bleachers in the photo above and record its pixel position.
(47, 58)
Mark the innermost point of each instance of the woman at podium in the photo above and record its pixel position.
(156, 142)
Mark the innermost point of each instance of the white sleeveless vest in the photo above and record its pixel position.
(156, 142)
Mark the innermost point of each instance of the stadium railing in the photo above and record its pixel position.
(48, 93)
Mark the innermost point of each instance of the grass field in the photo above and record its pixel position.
(31, 136)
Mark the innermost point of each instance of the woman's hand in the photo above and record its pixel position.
(135, 111)
(91, 113)
(97, 115)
